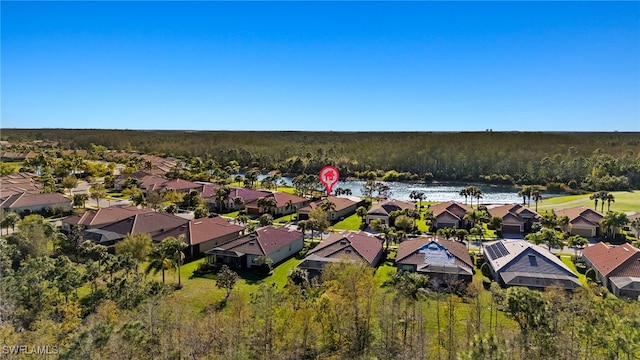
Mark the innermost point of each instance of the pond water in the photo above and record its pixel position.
(438, 192)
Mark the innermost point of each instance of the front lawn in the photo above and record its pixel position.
(350, 223)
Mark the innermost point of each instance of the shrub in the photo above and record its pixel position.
(581, 268)
(591, 274)
(486, 270)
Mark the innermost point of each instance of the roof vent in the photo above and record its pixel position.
(251, 243)
(198, 223)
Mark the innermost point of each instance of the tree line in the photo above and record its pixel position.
(590, 161)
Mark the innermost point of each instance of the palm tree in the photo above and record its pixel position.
(613, 221)
(478, 194)
(290, 206)
(222, 196)
(465, 192)
(303, 226)
(238, 202)
(537, 196)
(525, 192)
(609, 198)
(267, 203)
(158, 260)
(173, 250)
(595, 197)
(576, 241)
(419, 196)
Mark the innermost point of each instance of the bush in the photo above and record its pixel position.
(486, 270)
(581, 268)
(591, 274)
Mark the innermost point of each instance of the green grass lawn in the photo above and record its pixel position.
(625, 201)
(199, 292)
(566, 259)
(350, 223)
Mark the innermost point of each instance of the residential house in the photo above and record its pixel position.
(204, 234)
(343, 246)
(285, 204)
(516, 218)
(520, 263)
(276, 243)
(616, 267)
(178, 185)
(102, 237)
(152, 223)
(444, 261)
(583, 221)
(28, 202)
(383, 210)
(92, 219)
(17, 183)
(248, 196)
(343, 206)
(449, 214)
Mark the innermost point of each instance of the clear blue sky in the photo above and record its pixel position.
(375, 66)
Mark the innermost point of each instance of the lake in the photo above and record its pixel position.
(438, 192)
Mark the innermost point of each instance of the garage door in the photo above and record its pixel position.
(510, 228)
(582, 232)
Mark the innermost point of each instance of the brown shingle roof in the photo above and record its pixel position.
(28, 199)
(151, 223)
(386, 207)
(619, 260)
(580, 212)
(341, 203)
(454, 207)
(264, 241)
(104, 216)
(409, 247)
(367, 246)
(200, 230)
(502, 211)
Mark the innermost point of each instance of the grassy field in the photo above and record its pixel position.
(350, 223)
(625, 201)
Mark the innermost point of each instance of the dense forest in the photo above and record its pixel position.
(589, 161)
(121, 313)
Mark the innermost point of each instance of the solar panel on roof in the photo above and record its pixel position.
(497, 251)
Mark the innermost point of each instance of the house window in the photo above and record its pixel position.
(532, 260)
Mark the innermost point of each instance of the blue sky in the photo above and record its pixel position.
(340, 66)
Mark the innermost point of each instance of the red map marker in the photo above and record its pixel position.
(329, 176)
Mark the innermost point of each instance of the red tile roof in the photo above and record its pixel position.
(620, 260)
(367, 246)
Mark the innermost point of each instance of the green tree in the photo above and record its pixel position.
(577, 241)
(138, 245)
(405, 223)
(612, 222)
(69, 182)
(265, 220)
(97, 192)
(529, 310)
(80, 200)
(226, 280)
